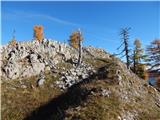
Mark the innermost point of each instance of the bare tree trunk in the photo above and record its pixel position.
(134, 63)
(80, 54)
(127, 52)
(125, 39)
(79, 49)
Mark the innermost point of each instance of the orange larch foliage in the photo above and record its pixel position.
(74, 39)
(141, 71)
(145, 77)
(38, 32)
(13, 43)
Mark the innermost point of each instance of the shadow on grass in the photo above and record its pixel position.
(74, 96)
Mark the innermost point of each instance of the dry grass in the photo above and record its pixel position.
(17, 102)
(96, 107)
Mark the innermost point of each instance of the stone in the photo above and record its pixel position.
(127, 115)
(12, 58)
(23, 54)
(23, 86)
(119, 118)
(52, 86)
(38, 67)
(40, 82)
(27, 72)
(67, 56)
(84, 76)
(105, 93)
(39, 56)
(73, 76)
(12, 70)
(41, 79)
(33, 58)
(47, 68)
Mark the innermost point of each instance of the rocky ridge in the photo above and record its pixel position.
(101, 76)
(28, 59)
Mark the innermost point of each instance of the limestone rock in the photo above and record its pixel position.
(41, 79)
(27, 72)
(74, 75)
(105, 92)
(38, 67)
(33, 58)
(40, 82)
(12, 70)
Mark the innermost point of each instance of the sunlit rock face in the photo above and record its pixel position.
(30, 58)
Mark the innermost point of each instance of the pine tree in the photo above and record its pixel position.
(125, 37)
(153, 52)
(75, 41)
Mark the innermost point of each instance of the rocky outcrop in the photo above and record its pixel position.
(75, 75)
(101, 87)
(96, 52)
(30, 58)
(12, 70)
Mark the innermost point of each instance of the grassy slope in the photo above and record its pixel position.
(83, 102)
(17, 102)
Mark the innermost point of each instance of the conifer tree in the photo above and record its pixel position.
(139, 68)
(125, 37)
(13, 41)
(153, 53)
(76, 42)
(38, 32)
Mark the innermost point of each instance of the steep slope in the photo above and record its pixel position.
(102, 88)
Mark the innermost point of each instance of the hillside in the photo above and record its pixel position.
(40, 81)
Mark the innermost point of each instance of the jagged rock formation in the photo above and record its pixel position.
(28, 59)
(75, 75)
(101, 88)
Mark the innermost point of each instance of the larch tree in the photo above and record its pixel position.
(13, 41)
(139, 68)
(153, 53)
(126, 51)
(76, 42)
(38, 33)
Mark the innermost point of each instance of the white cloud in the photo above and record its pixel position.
(30, 16)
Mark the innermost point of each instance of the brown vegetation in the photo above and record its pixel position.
(13, 43)
(74, 39)
(38, 32)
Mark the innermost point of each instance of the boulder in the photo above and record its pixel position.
(105, 92)
(12, 57)
(12, 70)
(27, 72)
(33, 58)
(41, 79)
(38, 67)
(40, 82)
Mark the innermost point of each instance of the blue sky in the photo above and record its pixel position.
(100, 22)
